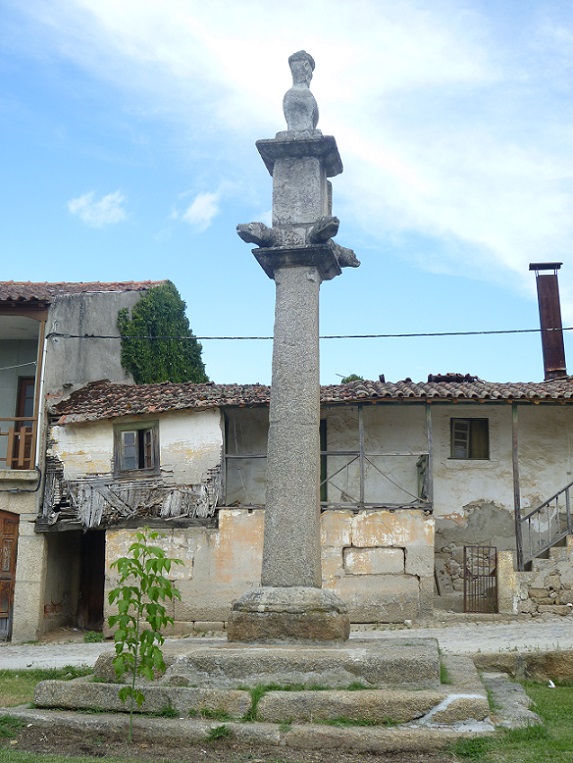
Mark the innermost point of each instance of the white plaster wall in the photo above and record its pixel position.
(84, 449)
(545, 451)
(457, 482)
(190, 443)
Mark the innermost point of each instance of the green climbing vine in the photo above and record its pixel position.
(157, 344)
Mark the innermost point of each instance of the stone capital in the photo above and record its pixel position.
(316, 146)
(319, 256)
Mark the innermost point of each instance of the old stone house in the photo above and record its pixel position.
(411, 473)
(49, 345)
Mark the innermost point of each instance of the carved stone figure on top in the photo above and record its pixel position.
(299, 104)
(300, 160)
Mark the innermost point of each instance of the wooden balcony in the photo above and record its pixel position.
(19, 448)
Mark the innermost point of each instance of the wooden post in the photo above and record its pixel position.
(516, 491)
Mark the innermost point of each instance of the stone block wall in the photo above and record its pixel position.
(379, 562)
(546, 588)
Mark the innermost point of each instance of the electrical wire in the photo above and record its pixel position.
(57, 335)
(20, 365)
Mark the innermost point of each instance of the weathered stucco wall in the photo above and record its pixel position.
(380, 563)
(78, 361)
(473, 500)
(545, 451)
(190, 444)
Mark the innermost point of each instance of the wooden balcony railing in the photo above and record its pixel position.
(20, 446)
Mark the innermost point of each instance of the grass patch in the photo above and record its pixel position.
(9, 726)
(445, 677)
(93, 637)
(342, 722)
(17, 686)
(168, 712)
(210, 714)
(491, 701)
(218, 732)
(552, 742)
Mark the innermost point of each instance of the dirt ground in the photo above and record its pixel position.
(75, 743)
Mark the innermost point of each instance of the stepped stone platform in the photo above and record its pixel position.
(390, 692)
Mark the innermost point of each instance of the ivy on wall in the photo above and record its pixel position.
(147, 350)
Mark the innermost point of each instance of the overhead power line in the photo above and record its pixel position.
(58, 335)
(18, 365)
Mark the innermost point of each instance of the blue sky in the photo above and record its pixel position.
(127, 132)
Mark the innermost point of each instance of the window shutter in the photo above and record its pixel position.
(128, 455)
(460, 438)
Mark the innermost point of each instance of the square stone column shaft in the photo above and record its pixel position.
(300, 191)
(291, 554)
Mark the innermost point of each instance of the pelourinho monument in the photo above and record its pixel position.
(298, 253)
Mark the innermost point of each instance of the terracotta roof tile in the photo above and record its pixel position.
(28, 291)
(103, 400)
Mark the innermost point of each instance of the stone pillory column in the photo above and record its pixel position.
(298, 253)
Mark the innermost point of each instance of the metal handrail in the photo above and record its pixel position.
(557, 523)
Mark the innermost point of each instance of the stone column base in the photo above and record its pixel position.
(297, 613)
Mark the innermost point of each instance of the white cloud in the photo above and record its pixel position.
(201, 212)
(452, 116)
(107, 211)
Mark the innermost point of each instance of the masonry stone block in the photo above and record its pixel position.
(566, 597)
(374, 561)
(426, 597)
(401, 528)
(379, 598)
(336, 528)
(238, 547)
(420, 561)
(508, 584)
(332, 564)
(30, 582)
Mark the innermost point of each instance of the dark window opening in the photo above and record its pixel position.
(469, 438)
(137, 449)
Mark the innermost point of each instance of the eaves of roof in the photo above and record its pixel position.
(104, 400)
(29, 291)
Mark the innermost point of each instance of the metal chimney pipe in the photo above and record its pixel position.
(550, 319)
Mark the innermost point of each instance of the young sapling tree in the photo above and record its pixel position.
(140, 597)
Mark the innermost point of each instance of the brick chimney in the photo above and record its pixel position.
(550, 319)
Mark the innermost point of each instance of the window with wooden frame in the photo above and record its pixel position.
(136, 448)
(469, 439)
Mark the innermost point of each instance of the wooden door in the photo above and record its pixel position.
(8, 551)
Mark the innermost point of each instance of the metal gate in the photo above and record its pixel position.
(480, 579)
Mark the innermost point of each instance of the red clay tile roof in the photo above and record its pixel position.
(28, 291)
(103, 400)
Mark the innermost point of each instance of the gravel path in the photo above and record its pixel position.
(455, 636)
